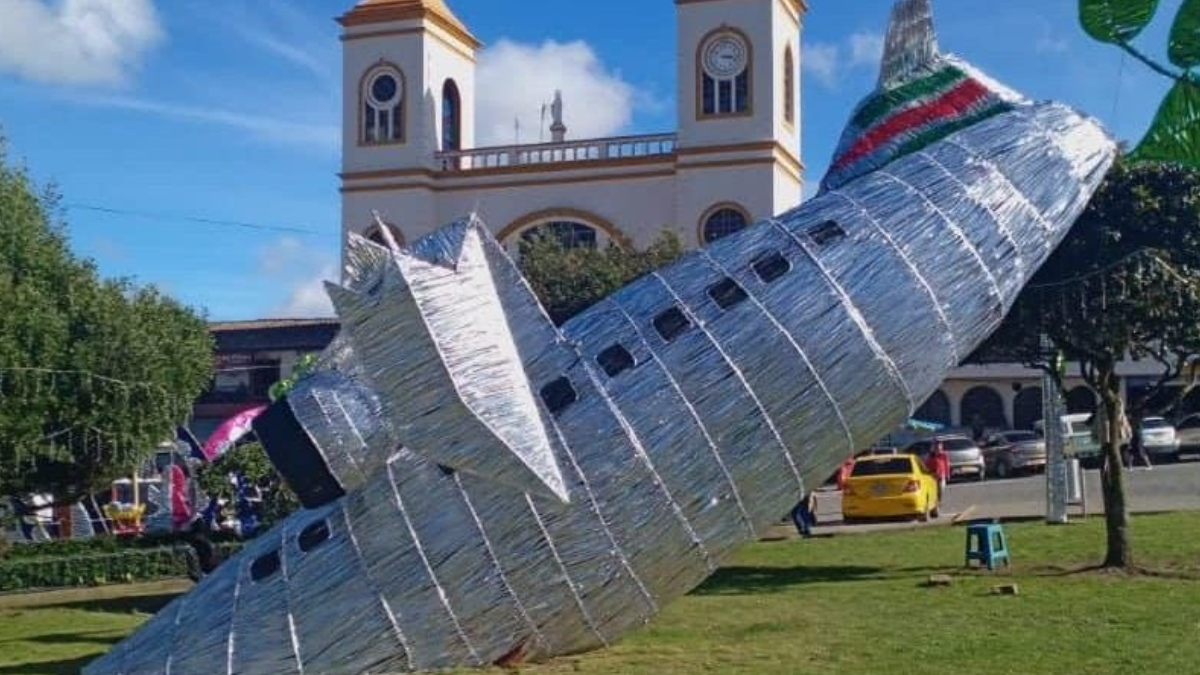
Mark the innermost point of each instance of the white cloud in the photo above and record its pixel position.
(820, 60)
(308, 298)
(290, 263)
(77, 41)
(277, 259)
(515, 79)
(1050, 42)
(282, 30)
(866, 49)
(830, 62)
(319, 137)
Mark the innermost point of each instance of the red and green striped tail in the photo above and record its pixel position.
(922, 98)
(899, 122)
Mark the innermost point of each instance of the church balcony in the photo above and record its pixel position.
(566, 152)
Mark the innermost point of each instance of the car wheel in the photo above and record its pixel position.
(936, 511)
(924, 517)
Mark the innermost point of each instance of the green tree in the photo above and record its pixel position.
(94, 373)
(1125, 282)
(251, 462)
(1174, 135)
(568, 281)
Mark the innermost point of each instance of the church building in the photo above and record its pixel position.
(409, 151)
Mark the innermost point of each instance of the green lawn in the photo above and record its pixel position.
(852, 604)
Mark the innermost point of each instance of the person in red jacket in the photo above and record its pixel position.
(938, 464)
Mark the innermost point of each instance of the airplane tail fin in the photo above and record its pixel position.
(911, 45)
(923, 96)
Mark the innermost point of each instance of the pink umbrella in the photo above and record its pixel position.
(230, 432)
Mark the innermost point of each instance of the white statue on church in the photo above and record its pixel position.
(558, 130)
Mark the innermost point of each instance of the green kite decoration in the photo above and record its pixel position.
(1174, 135)
(1184, 49)
(1116, 21)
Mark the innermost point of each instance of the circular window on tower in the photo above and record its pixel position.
(385, 89)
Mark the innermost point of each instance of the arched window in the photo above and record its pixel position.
(1081, 400)
(382, 93)
(451, 117)
(569, 233)
(936, 409)
(375, 234)
(722, 221)
(983, 405)
(724, 66)
(789, 86)
(1027, 408)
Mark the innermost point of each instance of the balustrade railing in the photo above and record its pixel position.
(622, 147)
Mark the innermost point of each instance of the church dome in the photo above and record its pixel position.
(385, 11)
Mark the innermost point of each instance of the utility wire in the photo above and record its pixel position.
(197, 219)
(1148, 253)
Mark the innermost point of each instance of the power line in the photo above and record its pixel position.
(1147, 253)
(201, 220)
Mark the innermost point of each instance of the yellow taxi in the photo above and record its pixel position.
(889, 486)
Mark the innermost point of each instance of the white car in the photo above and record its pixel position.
(1189, 432)
(1159, 437)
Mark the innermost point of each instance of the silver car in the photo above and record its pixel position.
(966, 459)
(1188, 431)
(1159, 437)
(1012, 452)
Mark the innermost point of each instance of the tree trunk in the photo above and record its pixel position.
(1112, 479)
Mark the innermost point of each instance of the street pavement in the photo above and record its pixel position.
(1166, 487)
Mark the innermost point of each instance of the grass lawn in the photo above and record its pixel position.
(845, 605)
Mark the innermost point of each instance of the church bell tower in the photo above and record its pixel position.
(408, 94)
(739, 109)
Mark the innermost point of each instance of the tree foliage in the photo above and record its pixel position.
(94, 373)
(1125, 282)
(568, 281)
(250, 461)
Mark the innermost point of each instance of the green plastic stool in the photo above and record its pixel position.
(987, 544)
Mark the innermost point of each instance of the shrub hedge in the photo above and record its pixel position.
(65, 548)
(98, 568)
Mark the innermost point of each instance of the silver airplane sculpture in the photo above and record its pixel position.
(481, 486)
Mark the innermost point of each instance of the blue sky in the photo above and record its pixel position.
(228, 110)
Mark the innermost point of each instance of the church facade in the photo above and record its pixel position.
(409, 151)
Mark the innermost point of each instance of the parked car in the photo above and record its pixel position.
(890, 486)
(966, 459)
(1188, 431)
(1011, 452)
(1077, 438)
(1159, 438)
(838, 478)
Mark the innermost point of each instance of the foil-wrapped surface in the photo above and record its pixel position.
(508, 489)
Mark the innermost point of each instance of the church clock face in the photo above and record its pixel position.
(725, 56)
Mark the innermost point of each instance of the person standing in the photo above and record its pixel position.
(1101, 432)
(978, 428)
(804, 515)
(1137, 446)
(938, 464)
